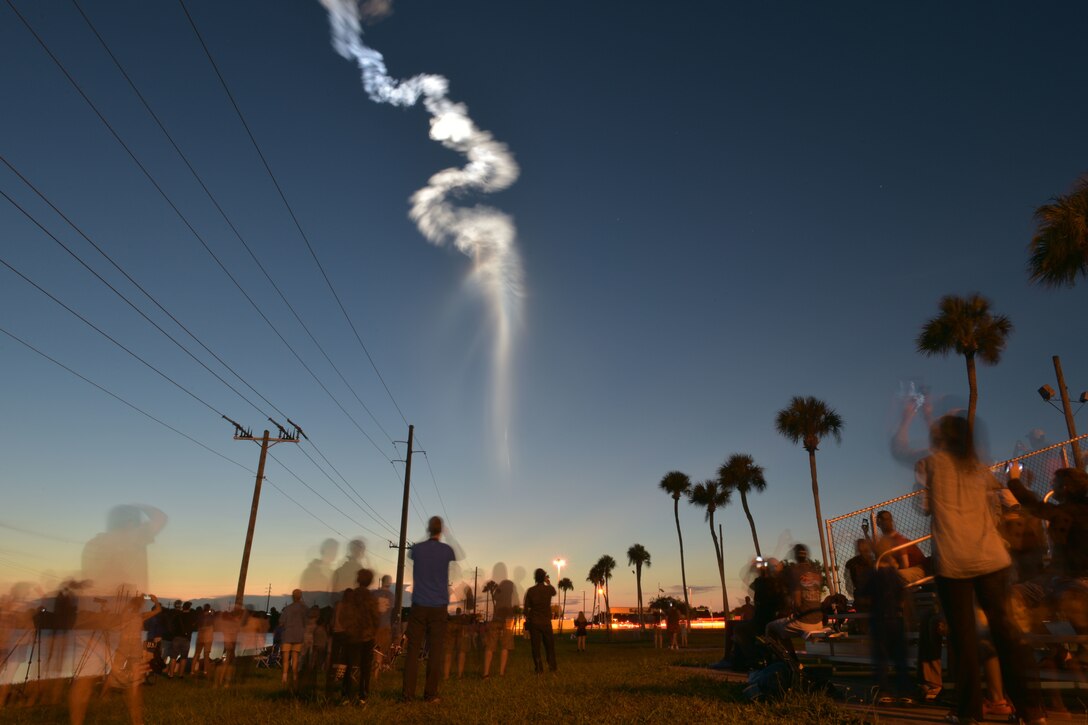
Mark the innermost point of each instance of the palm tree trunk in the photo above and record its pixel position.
(683, 572)
(718, 554)
(751, 521)
(972, 399)
(607, 610)
(638, 586)
(718, 546)
(819, 514)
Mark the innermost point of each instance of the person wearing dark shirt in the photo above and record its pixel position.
(431, 561)
(538, 619)
(805, 581)
(360, 628)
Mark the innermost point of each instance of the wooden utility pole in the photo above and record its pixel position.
(398, 596)
(266, 442)
(1067, 408)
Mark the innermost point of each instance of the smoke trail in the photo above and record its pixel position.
(484, 234)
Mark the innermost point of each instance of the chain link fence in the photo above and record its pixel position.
(911, 521)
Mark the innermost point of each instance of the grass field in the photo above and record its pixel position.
(626, 681)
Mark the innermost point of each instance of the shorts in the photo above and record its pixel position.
(180, 647)
(500, 635)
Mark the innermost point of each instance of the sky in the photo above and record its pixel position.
(719, 207)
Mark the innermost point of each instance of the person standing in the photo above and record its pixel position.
(431, 561)
(538, 619)
(580, 625)
(360, 626)
(383, 639)
(972, 562)
(293, 618)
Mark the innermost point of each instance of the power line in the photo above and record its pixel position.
(222, 212)
(125, 299)
(372, 513)
(166, 425)
(149, 296)
(184, 220)
(287, 205)
(106, 335)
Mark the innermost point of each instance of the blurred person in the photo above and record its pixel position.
(16, 633)
(804, 582)
(360, 626)
(115, 561)
(910, 562)
(500, 630)
(184, 624)
(130, 664)
(972, 562)
(338, 639)
(672, 626)
(293, 619)
(538, 620)
(858, 570)
(383, 638)
(205, 633)
(229, 624)
(316, 579)
(431, 561)
(344, 577)
(580, 626)
(888, 638)
(457, 638)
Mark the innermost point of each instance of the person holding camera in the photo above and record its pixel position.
(538, 619)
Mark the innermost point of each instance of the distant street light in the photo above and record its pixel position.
(1047, 394)
(559, 564)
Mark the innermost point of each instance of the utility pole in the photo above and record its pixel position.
(266, 442)
(398, 596)
(1067, 408)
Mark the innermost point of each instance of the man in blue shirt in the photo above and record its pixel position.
(428, 615)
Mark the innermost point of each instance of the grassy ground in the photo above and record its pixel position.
(626, 681)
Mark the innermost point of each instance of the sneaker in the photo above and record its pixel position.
(434, 699)
(1000, 709)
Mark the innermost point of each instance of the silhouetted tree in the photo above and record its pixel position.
(711, 496)
(807, 420)
(638, 557)
(967, 327)
(741, 474)
(1058, 252)
(677, 484)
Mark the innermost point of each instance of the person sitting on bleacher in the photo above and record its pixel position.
(804, 583)
(910, 562)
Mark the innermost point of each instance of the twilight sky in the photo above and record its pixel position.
(718, 208)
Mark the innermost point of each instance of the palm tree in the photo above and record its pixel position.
(638, 557)
(1059, 249)
(607, 565)
(967, 327)
(489, 589)
(712, 496)
(594, 577)
(677, 484)
(741, 474)
(565, 585)
(807, 421)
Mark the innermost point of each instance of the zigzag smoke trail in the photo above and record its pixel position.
(484, 234)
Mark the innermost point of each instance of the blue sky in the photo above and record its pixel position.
(719, 208)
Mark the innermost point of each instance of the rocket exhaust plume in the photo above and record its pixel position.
(484, 234)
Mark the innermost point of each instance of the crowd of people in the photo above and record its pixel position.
(331, 647)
